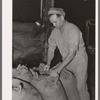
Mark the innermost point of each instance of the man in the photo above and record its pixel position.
(68, 38)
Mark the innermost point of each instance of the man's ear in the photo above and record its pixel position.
(62, 17)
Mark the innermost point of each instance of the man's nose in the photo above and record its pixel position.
(54, 24)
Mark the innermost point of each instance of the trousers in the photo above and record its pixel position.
(74, 79)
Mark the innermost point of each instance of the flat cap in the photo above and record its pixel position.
(59, 11)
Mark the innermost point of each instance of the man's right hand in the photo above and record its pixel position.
(46, 67)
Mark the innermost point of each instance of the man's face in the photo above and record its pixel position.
(56, 21)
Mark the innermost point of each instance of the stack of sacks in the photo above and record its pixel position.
(21, 85)
(49, 87)
(23, 27)
(25, 40)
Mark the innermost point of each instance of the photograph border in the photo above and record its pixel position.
(1, 49)
(4, 75)
(7, 49)
(98, 49)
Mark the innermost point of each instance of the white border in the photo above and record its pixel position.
(96, 50)
(6, 49)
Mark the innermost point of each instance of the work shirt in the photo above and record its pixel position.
(69, 36)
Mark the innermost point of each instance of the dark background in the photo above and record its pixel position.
(77, 11)
(29, 10)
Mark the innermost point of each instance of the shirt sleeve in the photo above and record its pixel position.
(52, 42)
(73, 39)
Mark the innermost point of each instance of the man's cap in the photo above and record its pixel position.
(59, 11)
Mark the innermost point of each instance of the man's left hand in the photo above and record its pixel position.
(54, 73)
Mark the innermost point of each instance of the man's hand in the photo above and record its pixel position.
(54, 72)
(46, 67)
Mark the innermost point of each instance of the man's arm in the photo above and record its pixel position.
(72, 45)
(50, 56)
(49, 59)
(67, 60)
(51, 49)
